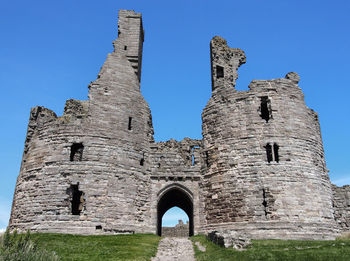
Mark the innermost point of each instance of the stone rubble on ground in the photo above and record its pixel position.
(200, 247)
(230, 239)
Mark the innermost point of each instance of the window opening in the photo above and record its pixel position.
(192, 156)
(268, 152)
(77, 199)
(129, 125)
(264, 202)
(98, 227)
(275, 152)
(265, 108)
(142, 161)
(76, 152)
(207, 158)
(272, 152)
(125, 47)
(219, 71)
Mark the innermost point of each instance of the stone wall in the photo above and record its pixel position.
(341, 204)
(176, 165)
(179, 230)
(259, 169)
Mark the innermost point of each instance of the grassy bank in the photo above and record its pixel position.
(144, 246)
(277, 250)
(91, 248)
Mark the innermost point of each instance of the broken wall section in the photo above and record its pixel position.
(225, 62)
(175, 159)
(341, 205)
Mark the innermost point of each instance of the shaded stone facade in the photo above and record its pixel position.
(259, 168)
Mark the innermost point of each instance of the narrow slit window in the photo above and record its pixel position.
(129, 125)
(268, 148)
(76, 152)
(275, 152)
(265, 108)
(264, 202)
(219, 71)
(125, 47)
(142, 160)
(77, 200)
(192, 156)
(207, 158)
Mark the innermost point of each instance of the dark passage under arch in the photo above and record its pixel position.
(175, 196)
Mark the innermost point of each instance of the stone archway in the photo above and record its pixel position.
(174, 195)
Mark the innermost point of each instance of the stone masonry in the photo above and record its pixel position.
(259, 169)
(180, 230)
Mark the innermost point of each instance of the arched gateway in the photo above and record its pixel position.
(174, 195)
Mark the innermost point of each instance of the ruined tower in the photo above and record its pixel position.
(259, 169)
(265, 163)
(85, 170)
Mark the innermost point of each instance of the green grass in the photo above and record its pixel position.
(144, 246)
(277, 250)
(89, 248)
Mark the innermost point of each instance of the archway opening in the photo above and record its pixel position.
(175, 196)
(172, 216)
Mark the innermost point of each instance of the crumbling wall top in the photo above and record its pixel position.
(225, 62)
(293, 76)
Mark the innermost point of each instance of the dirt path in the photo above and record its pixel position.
(175, 248)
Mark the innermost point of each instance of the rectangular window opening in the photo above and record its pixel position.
(125, 47)
(268, 148)
(275, 152)
(129, 125)
(77, 199)
(142, 160)
(98, 227)
(192, 156)
(219, 71)
(265, 108)
(207, 158)
(76, 152)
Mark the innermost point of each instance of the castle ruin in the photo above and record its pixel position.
(259, 169)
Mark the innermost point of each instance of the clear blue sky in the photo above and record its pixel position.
(51, 50)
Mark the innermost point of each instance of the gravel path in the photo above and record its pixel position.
(175, 248)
